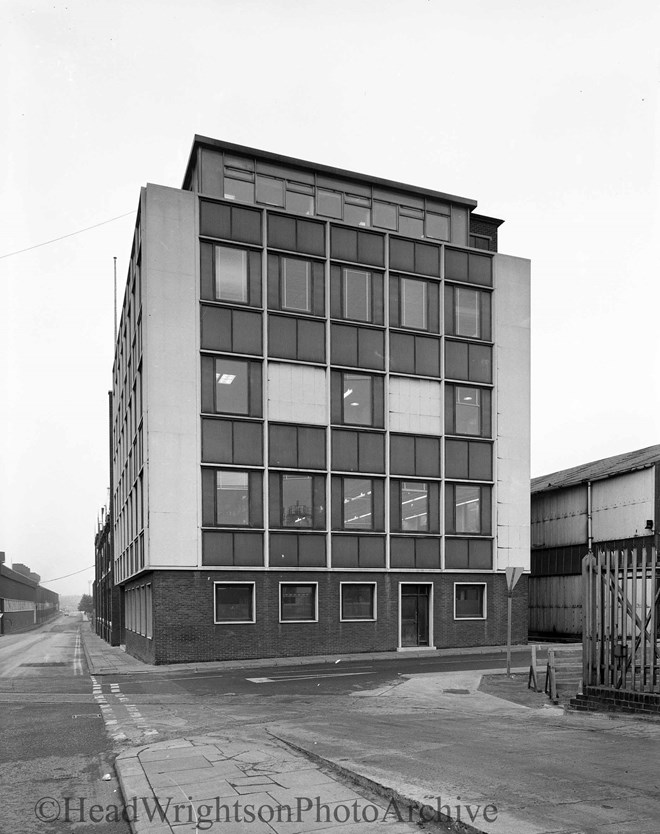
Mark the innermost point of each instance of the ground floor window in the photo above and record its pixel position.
(234, 602)
(358, 601)
(298, 602)
(470, 601)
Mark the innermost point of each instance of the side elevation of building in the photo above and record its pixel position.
(320, 423)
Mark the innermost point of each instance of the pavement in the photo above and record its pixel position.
(433, 752)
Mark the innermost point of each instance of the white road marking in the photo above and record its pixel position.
(77, 656)
(305, 677)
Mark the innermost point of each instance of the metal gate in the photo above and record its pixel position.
(621, 618)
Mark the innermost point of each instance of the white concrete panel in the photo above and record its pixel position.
(511, 328)
(415, 405)
(621, 505)
(297, 394)
(170, 321)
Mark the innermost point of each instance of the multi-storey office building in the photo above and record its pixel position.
(321, 416)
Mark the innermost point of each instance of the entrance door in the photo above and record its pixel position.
(415, 615)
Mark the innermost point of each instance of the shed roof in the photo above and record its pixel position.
(598, 469)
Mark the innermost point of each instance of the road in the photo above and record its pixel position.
(55, 751)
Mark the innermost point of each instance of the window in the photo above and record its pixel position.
(296, 285)
(467, 312)
(231, 386)
(357, 210)
(358, 601)
(231, 498)
(468, 411)
(413, 304)
(329, 203)
(468, 509)
(437, 226)
(231, 275)
(357, 503)
(239, 182)
(234, 602)
(411, 221)
(297, 501)
(469, 601)
(300, 198)
(298, 602)
(480, 241)
(356, 294)
(358, 409)
(385, 215)
(270, 191)
(414, 506)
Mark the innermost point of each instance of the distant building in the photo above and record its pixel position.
(320, 425)
(24, 604)
(614, 502)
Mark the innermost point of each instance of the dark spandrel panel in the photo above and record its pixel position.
(311, 237)
(282, 232)
(402, 255)
(208, 384)
(456, 265)
(344, 345)
(481, 554)
(371, 452)
(282, 337)
(371, 349)
(402, 353)
(402, 552)
(486, 316)
(246, 330)
(456, 554)
(427, 457)
(456, 360)
(214, 220)
(206, 271)
(311, 551)
(311, 448)
(427, 356)
(343, 244)
(208, 497)
(480, 462)
(311, 340)
(371, 249)
(427, 259)
(371, 552)
(216, 328)
(480, 363)
(248, 443)
(344, 552)
(248, 549)
(217, 443)
(456, 459)
(283, 551)
(282, 446)
(480, 270)
(245, 225)
(211, 180)
(217, 548)
(427, 554)
(344, 445)
(402, 455)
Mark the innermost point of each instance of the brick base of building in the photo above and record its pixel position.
(608, 699)
(183, 628)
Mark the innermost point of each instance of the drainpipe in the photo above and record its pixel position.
(590, 538)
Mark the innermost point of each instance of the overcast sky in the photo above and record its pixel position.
(544, 112)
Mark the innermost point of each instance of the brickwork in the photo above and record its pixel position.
(184, 628)
(607, 699)
(485, 226)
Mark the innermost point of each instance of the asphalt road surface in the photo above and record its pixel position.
(54, 751)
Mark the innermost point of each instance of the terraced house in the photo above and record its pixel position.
(320, 416)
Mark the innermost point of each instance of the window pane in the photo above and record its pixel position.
(329, 203)
(468, 509)
(296, 285)
(467, 313)
(239, 190)
(411, 226)
(469, 601)
(413, 303)
(358, 398)
(357, 294)
(297, 501)
(357, 215)
(231, 274)
(299, 203)
(468, 411)
(437, 226)
(270, 191)
(232, 501)
(414, 506)
(358, 504)
(385, 215)
(231, 386)
(357, 602)
(233, 603)
(298, 602)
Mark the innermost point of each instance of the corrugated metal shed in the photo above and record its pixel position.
(598, 469)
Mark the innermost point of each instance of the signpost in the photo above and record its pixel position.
(512, 577)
